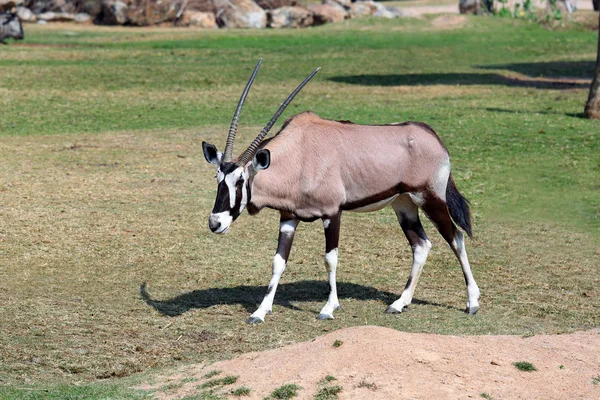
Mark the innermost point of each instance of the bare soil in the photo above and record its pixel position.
(381, 363)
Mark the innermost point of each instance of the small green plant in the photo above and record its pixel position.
(190, 379)
(228, 380)
(486, 396)
(561, 366)
(596, 380)
(524, 366)
(328, 393)
(286, 391)
(367, 385)
(241, 391)
(212, 373)
(338, 343)
(330, 378)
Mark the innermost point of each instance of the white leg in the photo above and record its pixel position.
(420, 253)
(332, 236)
(287, 228)
(331, 261)
(458, 245)
(408, 216)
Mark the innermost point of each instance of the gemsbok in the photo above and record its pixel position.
(315, 168)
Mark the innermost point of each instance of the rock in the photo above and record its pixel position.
(153, 12)
(113, 12)
(361, 9)
(90, 7)
(330, 12)
(475, 7)
(82, 18)
(240, 14)
(388, 12)
(51, 16)
(198, 19)
(139, 12)
(25, 15)
(274, 4)
(202, 5)
(344, 3)
(290, 17)
(7, 5)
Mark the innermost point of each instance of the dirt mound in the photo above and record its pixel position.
(380, 363)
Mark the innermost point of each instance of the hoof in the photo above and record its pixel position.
(392, 310)
(472, 310)
(324, 316)
(254, 321)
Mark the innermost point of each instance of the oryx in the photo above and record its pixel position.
(315, 168)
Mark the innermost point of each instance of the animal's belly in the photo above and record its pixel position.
(375, 206)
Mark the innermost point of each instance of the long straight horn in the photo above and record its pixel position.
(227, 153)
(249, 153)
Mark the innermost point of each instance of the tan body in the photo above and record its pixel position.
(319, 167)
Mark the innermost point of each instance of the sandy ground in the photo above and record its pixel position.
(382, 363)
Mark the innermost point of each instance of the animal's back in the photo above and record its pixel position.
(331, 164)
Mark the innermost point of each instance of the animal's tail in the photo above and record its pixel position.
(458, 206)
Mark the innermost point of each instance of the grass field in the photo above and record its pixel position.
(107, 266)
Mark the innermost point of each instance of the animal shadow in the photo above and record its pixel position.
(250, 296)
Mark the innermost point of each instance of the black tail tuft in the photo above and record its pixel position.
(458, 206)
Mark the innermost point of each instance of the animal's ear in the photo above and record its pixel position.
(211, 154)
(261, 160)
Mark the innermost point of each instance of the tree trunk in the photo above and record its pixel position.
(592, 107)
(596, 4)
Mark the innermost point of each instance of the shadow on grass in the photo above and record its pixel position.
(250, 296)
(540, 75)
(543, 112)
(550, 69)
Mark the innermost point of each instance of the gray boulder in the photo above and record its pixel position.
(198, 19)
(326, 13)
(240, 14)
(290, 17)
(25, 15)
(274, 4)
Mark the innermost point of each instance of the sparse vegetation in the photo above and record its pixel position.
(328, 393)
(330, 378)
(227, 380)
(486, 396)
(367, 385)
(212, 373)
(286, 391)
(338, 343)
(241, 391)
(596, 380)
(524, 366)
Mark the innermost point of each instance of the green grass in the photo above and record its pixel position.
(241, 391)
(212, 373)
(285, 392)
(328, 393)
(227, 380)
(524, 366)
(107, 268)
(71, 392)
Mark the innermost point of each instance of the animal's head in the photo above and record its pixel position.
(12, 25)
(234, 177)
